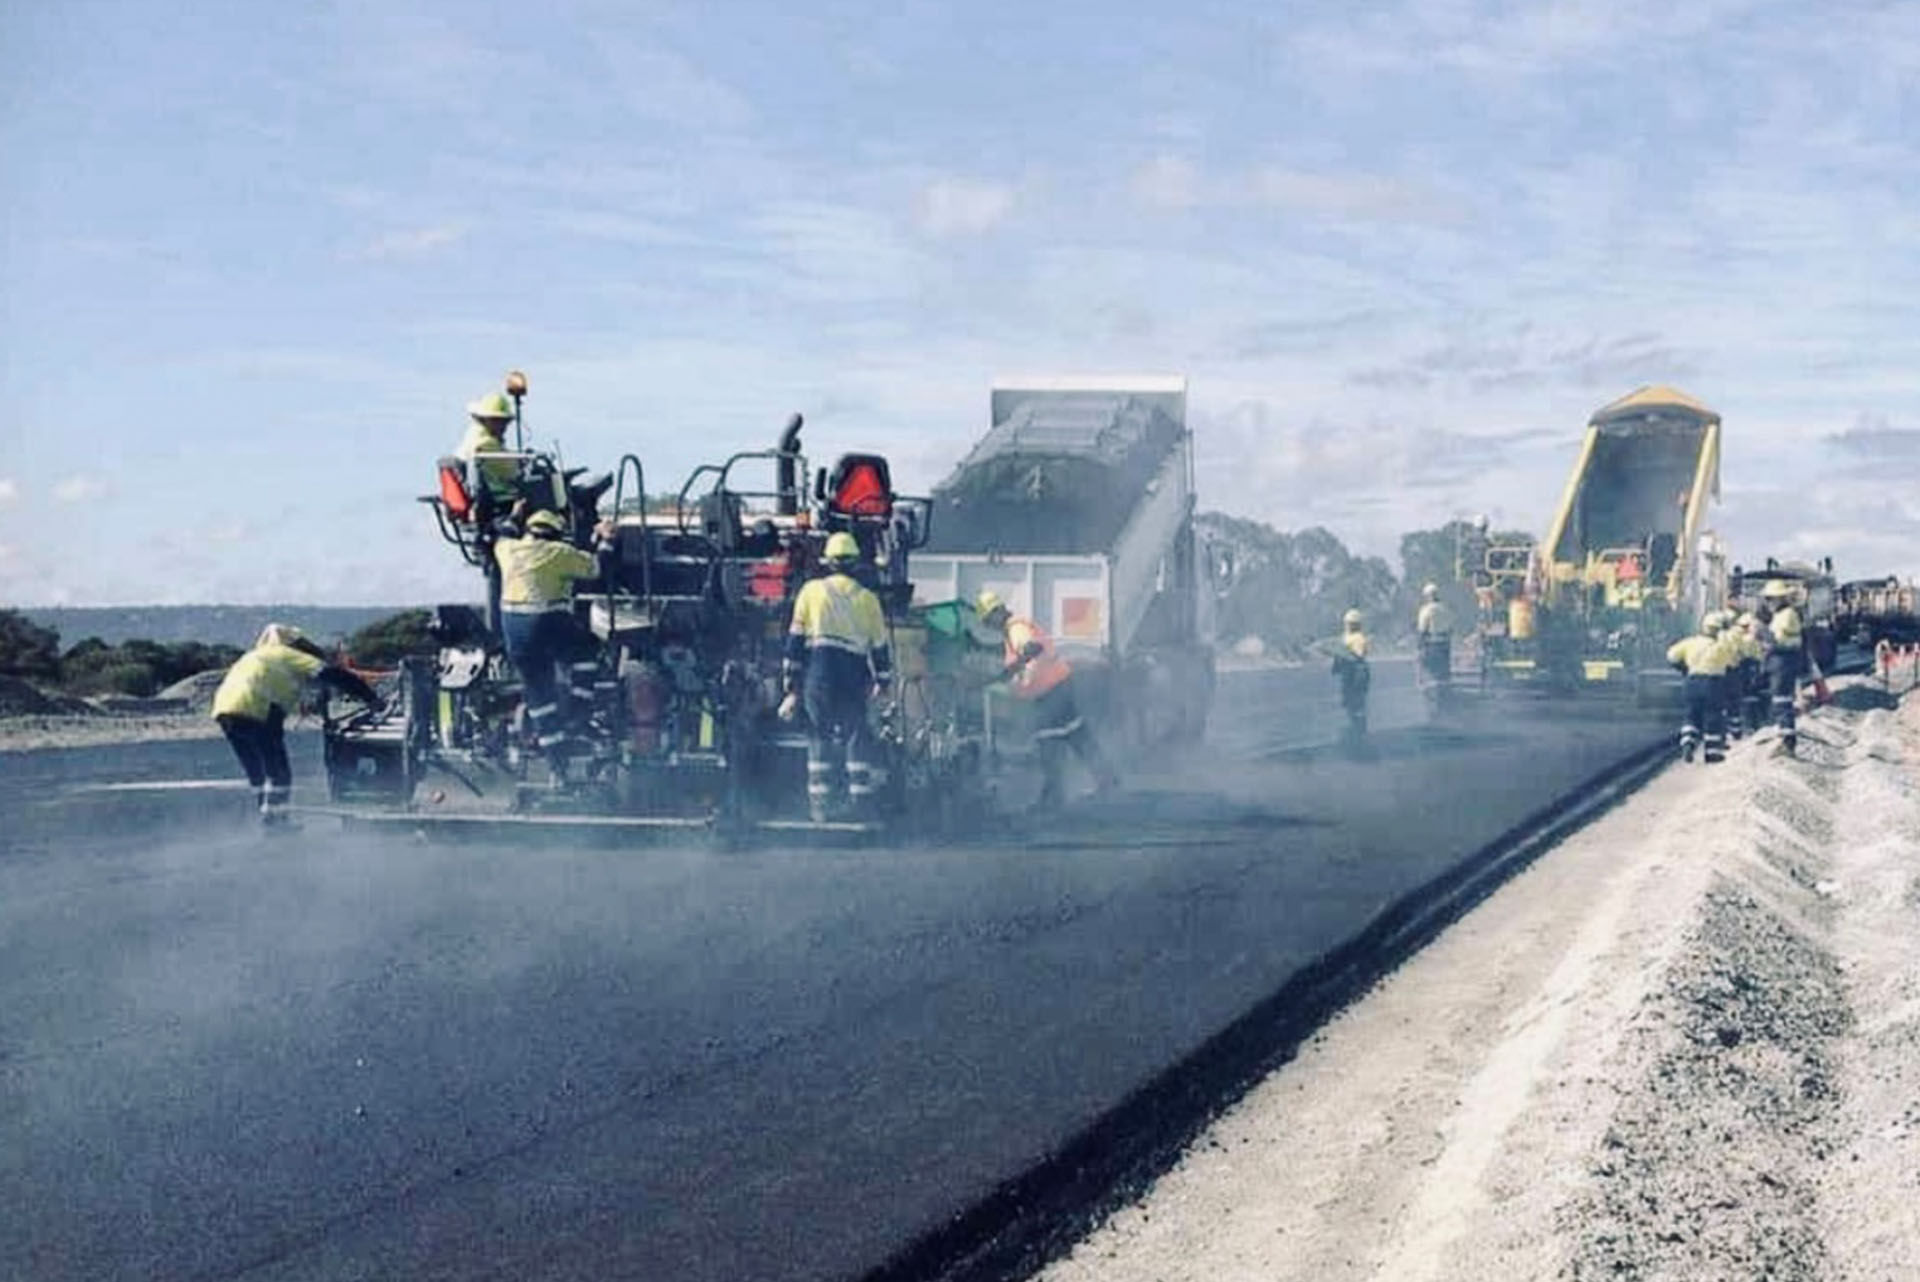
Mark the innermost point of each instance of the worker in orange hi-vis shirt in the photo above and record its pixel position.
(1035, 673)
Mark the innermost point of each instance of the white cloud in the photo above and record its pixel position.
(411, 243)
(9, 490)
(1167, 182)
(1171, 181)
(79, 488)
(1372, 197)
(964, 206)
(668, 88)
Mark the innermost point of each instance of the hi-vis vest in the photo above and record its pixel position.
(1701, 655)
(536, 575)
(838, 613)
(501, 476)
(1046, 669)
(1785, 627)
(264, 678)
(1434, 622)
(1356, 643)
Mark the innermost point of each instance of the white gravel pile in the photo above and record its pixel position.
(1685, 1045)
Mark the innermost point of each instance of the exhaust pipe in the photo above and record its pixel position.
(789, 450)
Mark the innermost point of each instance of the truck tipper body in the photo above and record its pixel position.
(1077, 508)
(1627, 564)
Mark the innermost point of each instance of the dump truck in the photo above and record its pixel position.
(1628, 564)
(673, 688)
(1077, 509)
(1875, 610)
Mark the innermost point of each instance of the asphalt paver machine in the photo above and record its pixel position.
(676, 682)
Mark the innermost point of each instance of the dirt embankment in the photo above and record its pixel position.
(32, 717)
(1686, 1045)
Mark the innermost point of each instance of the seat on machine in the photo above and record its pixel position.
(453, 489)
(861, 486)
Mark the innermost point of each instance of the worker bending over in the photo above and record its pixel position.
(253, 701)
(1040, 677)
(1704, 660)
(1786, 659)
(838, 657)
(537, 574)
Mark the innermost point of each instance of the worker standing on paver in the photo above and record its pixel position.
(838, 657)
(1433, 631)
(253, 701)
(1042, 678)
(1351, 671)
(1704, 659)
(1786, 660)
(537, 623)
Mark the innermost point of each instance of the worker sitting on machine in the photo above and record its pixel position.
(254, 698)
(838, 656)
(537, 574)
(497, 479)
(1704, 660)
(1039, 676)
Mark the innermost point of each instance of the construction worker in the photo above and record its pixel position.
(497, 478)
(1786, 658)
(1739, 634)
(1042, 678)
(1351, 671)
(537, 623)
(838, 657)
(1433, 629)
(254, 698)
(1704, 660)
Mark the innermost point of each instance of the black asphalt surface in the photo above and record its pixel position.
(333, 1056)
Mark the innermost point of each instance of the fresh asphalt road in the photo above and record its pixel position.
(333, 1056)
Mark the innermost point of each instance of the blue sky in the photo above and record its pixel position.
(255, 258)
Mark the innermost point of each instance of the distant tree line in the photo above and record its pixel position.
(91, 666)
(1289, 590)
(144, 668)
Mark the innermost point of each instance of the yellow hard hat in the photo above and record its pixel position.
(988, 603)
(279, 634)
(1712, 622)
(1430, 591)
(1351, 618)
(841, 547)
(1776, 588)
(1747, 620)
(546, 523)
(492, 405)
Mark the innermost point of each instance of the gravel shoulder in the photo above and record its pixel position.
(1684, 1045)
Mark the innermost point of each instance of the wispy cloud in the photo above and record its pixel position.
(81, 488)
(9, 490)
(1169, 181)
(410, 243)
(664, 86)
(963, 206)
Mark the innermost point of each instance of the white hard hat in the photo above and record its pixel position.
(279, 634)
